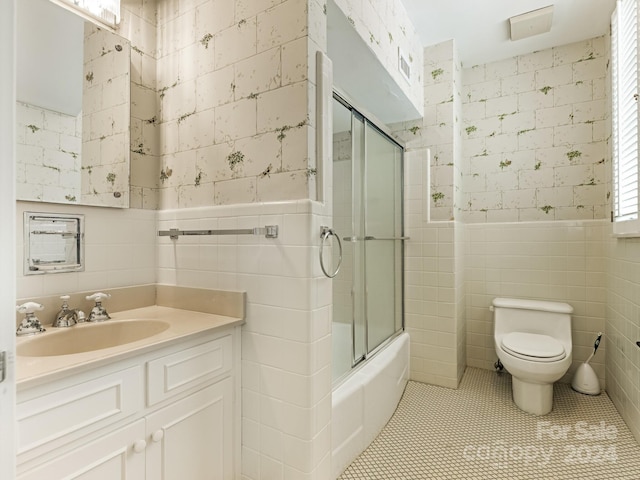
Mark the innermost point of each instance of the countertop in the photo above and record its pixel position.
(31, 371)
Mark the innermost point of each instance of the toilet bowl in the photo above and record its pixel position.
(533, 342)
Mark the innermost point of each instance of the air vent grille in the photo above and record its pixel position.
(404, 66)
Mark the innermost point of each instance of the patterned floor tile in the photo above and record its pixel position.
(477, 433)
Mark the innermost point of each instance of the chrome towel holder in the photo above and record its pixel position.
(325, 233)
(269, 231)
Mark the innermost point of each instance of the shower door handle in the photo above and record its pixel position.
(358, 239)
(386, 238)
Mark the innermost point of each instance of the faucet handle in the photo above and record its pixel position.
(98, 296)
(29, 307)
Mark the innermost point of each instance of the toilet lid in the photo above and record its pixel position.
(533, 347)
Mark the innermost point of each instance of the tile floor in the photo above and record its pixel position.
(477, 433)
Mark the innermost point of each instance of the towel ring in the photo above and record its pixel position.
(326, 232)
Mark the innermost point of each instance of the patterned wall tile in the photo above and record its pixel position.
(545, 106)
(48, 145)
(247, 63)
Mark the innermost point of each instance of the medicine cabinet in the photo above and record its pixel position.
(53, 243)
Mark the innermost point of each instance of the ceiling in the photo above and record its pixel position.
(481, 27)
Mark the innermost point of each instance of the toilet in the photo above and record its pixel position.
(533, 342)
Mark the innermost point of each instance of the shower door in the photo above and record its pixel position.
(382, 237)
(367, 214)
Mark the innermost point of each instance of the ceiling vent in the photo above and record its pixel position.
(531, 23)
(404, 66)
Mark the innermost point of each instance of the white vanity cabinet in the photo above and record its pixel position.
(109, 457)
(170, 413)
(189, 439)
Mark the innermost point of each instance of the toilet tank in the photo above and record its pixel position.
(532, 316)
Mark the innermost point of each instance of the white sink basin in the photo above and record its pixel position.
(88, 337)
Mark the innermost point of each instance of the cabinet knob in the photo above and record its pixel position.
(157, 435)
(139, 446)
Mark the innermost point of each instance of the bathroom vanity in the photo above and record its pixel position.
(165, 406)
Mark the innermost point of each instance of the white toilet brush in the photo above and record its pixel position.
(585, 380)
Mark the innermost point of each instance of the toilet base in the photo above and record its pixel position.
(534, 398)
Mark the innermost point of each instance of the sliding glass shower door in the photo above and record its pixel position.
(382, 237)
(367, 214)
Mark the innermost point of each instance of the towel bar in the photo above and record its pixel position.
(269, 231)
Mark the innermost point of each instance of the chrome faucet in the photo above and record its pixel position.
(98, 312)
(66, 317)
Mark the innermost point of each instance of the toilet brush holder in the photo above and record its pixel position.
(585, 379)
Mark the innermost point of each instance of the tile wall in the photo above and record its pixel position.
(534, 147)
(622, 360)
(430, 303)
(561, 92)
(286, 341)
(235, 126)
(439, 129)
(434, 260)
(236, 117)
(460, 260)
(623, 328)
(535, 136)
(431, 297)
(458, 226)
(558, 261)
(119, 251)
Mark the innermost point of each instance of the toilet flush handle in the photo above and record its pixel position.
(491, 308)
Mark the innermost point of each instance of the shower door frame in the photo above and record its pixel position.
(370, 120)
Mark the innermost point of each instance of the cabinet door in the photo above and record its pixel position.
(64, 414)
(116, 456)
(193, 438)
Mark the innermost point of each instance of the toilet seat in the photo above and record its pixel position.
(533, 347)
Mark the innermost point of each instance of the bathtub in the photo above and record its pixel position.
(363, 403)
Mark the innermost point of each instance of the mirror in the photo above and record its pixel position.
(73, 109)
